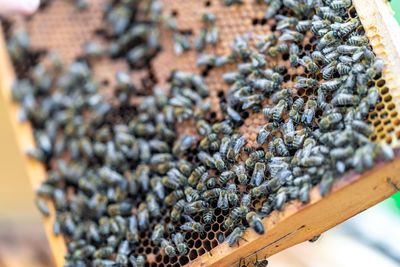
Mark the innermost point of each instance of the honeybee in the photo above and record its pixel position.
(258, 174)
(264, 132)
(236, 234)
(330, 120)
(265, 42)
(225, 176)
(277, 50)
(42, 206)
(208, 216)
(255, 222)
(132, 235)
(180, 244)
(219, 163)
(168, 248)
(309, 111)
(305, 82)
(197, 206)
(240, 173)
(173, 197)
(192, 225)
(195, 175)
(326, 183)
(290, 35)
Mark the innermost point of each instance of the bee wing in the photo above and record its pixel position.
(188, 218)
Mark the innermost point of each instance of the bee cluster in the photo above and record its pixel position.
(115, 185)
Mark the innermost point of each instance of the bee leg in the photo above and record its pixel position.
(243, 239)
(210, 253)
(389, 181)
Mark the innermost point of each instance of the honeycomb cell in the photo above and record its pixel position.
(396, 121)
(207, 244)
(153, 264)
(381, 83)
(148, 250)
(387, 98)
(210, 235)
(201, 251)
(190, 243)
(192, 254)
(183, 260)
(197, 244)
(165, 259)
(384, 90)
(214, 243)
(220, 219)
(195, 236)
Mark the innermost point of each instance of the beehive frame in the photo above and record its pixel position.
(297, 223)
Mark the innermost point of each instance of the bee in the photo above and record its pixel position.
(181, 44)
(328, 39)
(258, 174)
(357, 40)
(332, 56)
(211, 182)
(199, 41)
(266, 208)
(177, 209)
(225, 176)
(212, 193)
(123, 208)
(330, 120)
(285, 22)
(281, 198)
(219, 163)
(168, 248)
(305, 82)
(197, 206)
(294, 113)
(236, 234)
(196, 174)
(132, 235)
(289, 35)
(294, 52)
(179, 241)
(222, 127)
(233, 151)
(265, 42)
(103, 252)
(206, 159)
(255, 222)
(208, 216)
(223, 202)
(206, 60)
(304, 25)
(240, 173)
(42, 206)
(208, 17)
(309, 111)
(264, 132)
(137, 261)
(362, 127)
(345, 100)
(191, 194)
(280, 147)
(231, 191)
(341, 153)
(277, 50)
(385, 151)
(253, 158)
(326, 183)
(192, 225)
(273, 7)
(184, 144)
(212, 35)
(252, 100)
(173, 197)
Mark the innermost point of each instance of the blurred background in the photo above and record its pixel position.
(368, 239)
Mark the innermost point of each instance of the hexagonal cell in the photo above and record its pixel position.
(193, 254)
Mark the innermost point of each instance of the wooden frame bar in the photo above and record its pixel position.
(351, 194)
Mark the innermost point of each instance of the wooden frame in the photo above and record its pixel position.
(351, 194)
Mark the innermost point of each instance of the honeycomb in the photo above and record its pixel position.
(59, 26)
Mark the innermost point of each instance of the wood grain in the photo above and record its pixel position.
(25, 140)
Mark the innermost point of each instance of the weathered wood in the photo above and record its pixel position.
(25, 140)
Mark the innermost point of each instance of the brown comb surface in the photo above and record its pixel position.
(63, 28)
